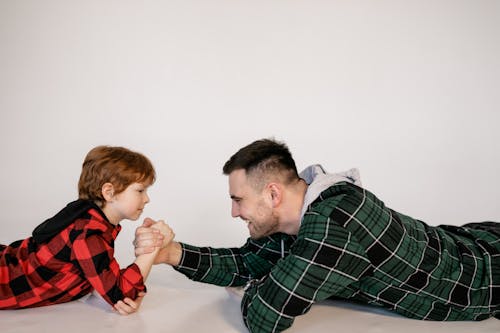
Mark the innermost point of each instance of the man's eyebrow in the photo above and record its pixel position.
(234, 197)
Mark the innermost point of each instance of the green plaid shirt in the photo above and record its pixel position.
(351, 246)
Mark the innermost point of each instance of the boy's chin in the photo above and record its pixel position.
(134, 218)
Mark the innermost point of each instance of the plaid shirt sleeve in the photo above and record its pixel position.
(233, 266)
(95, 256)
(282, 281)
(222, 267)
(305, 276)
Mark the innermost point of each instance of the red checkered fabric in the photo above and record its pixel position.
(77, 260)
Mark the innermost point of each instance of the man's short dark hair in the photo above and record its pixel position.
(263, 157)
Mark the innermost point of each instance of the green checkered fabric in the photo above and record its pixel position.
(350, 245)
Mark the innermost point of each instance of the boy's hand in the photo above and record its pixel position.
(147, 238)
(129, 306)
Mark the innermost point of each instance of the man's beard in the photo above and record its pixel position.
(266, 229)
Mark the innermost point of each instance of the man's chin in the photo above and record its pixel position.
(255, 236)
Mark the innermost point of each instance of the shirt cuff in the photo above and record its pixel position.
(134, 277)
(190, 260)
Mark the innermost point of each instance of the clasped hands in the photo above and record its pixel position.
(150, 236)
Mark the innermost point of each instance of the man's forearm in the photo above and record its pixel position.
(170, 255)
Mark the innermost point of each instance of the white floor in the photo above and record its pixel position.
(176, 304)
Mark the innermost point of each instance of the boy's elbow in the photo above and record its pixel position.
(116, 293)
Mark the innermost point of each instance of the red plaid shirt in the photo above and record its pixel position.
(76, 261)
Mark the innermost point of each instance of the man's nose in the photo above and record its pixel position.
(235, 212)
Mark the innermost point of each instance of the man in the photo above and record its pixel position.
(319, 235)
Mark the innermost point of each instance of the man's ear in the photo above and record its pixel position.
(276, 193)
(108, 191)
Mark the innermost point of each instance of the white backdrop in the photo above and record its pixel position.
(406, 91)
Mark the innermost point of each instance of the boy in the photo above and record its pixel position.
(72, 253)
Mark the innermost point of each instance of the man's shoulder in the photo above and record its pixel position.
(335, 193)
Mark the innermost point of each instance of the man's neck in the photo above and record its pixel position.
(292, 207)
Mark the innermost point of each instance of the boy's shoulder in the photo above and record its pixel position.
(77, 215)
(93, 222)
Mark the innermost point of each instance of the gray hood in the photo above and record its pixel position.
(319, 180)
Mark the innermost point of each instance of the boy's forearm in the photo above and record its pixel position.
(145, 262)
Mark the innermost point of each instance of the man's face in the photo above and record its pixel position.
(254, 207)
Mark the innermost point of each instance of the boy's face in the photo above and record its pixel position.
(128, 204)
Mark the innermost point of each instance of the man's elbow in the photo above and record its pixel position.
(266, 320)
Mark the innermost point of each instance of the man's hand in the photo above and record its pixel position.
(166, 231)
(147, 238)
(129, 306)
(171, 254)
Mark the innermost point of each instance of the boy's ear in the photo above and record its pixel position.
(108, 191)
